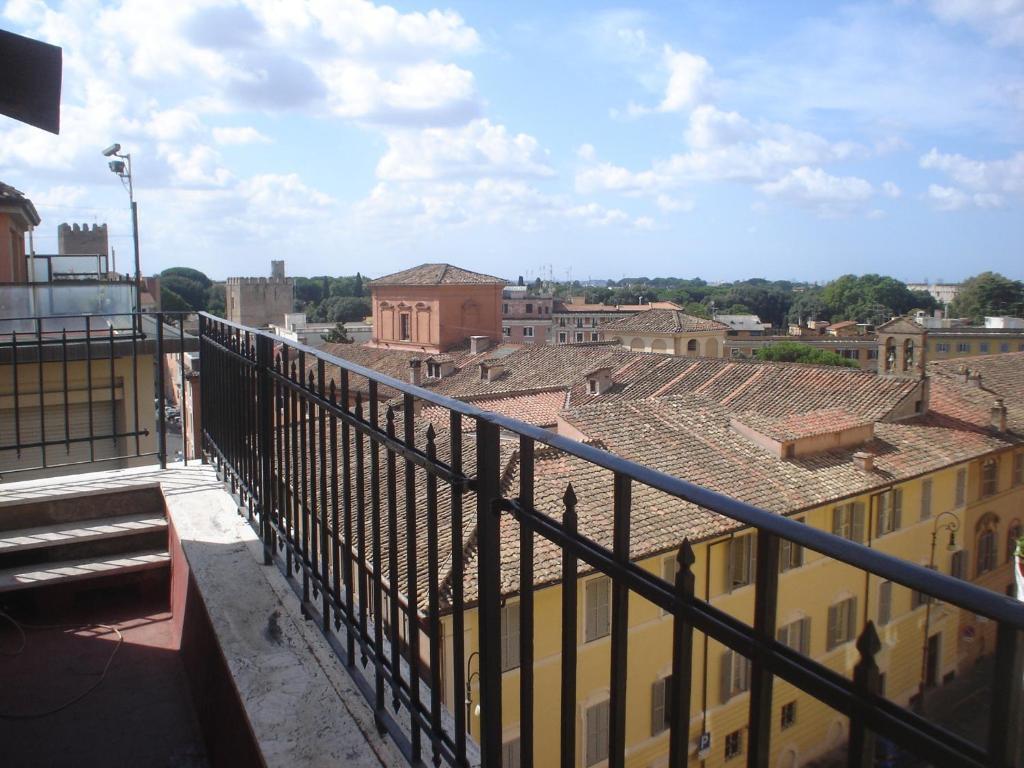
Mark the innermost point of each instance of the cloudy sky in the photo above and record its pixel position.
(725, 140)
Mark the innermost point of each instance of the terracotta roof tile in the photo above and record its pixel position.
(437, 274)
(664, 321)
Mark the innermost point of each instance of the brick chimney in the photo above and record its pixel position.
(975, 379)
(998, 418)
(415, 372)
(864, 461)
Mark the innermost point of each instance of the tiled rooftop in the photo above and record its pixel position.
(664, 321)
(437, 274)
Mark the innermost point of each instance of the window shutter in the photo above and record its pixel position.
(658, 695)
(857, 522)
(744, 673)
(897, 508)
(851, 619)
(885, 603)
(833, 626)
(725, 677)
(926, 499)
(735, 560)
(592, 735)
(837, 521)
(785, 552)
(805, 635)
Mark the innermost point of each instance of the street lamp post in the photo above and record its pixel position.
(123, 168)
(952, 526)
(469, 689)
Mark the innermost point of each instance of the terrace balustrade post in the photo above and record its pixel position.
(860, 752)
(265, 405)
(161, 401)
(488, 497)
(682, 660)
(203, 389)
(1007, 709)
(765, 604)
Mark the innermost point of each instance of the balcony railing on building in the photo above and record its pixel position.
(363, 507)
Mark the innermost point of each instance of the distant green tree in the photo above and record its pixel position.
(338, 335)
(989, 293)
(358, 289)
(192, 292)
(189, 273)
(342, 309)
(216, 301)
(795, 352)
(171, 301)
(869, 298)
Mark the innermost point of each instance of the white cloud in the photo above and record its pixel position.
(244, 134)
(672, 204)
(480, 148)
(688, 77)
(891, 189)
(993, 175)
(198, 166)
(814, 188)
(1001, 20)
(954, 199)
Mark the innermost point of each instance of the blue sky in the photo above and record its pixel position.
(794, 140)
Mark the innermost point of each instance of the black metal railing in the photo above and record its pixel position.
(70, 402)
(314, 463)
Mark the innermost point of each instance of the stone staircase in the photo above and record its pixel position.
(105, 535)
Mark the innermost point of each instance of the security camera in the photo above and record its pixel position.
(117, 166)
(113, 149)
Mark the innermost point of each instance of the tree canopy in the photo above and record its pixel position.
(188, 290)
(989, 293)
(795, 352)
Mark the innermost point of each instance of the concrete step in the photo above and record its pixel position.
(90, 530)
(28, 577)
(81, 507)
(76, 540)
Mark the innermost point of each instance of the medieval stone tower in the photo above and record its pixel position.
(260, 301)
(75, 240)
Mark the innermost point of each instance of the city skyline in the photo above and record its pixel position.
(788, 143)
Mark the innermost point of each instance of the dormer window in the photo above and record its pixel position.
(593, 386)
(433, 370)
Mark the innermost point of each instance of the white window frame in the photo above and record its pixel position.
(661, 697)
(734, 675)
(890, 511)
(884, 603)
(527, 331)
(562, 337)
(842, 623)
(742, 561)
(796, 635)
(848, 521)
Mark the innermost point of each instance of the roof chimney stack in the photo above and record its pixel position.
(478, 344)
(415, 372)
(999, 415)
(864, 461)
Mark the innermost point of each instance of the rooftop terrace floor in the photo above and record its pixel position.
(140, 714)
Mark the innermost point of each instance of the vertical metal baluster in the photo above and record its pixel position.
(265, 404)
(14, 389)
(1005, 711)
(335, 507)
(287, 431)
(378, 585)
(303, 521)
(412, 592)
(361, 531)
(64, 383)
(280, 473)
(40, 384)
(860, 749)
(458, 608)
(620, 624)
(488, 497)
(184, 397)
(569, 599)
(433, 601)
(113, 390)
(392, 482)
(88, 386)
(765, 601)
(682, 660)
(161, 402)
(526, 447)
(298, 469)
(310, 539)
(346, 553)
(135, 383)
(325, 573)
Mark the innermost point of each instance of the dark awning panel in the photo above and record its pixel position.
(30, 81)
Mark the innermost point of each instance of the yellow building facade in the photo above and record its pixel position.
(823, 606)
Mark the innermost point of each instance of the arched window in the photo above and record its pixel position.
(908, 355)
(691, 345)
(1012, 535)
(637, 345)
(985, 531)
(658, 345)
(890, 354)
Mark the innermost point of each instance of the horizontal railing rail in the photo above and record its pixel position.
(75, 390)
(315, 463)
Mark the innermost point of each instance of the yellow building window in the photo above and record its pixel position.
(598, 618)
